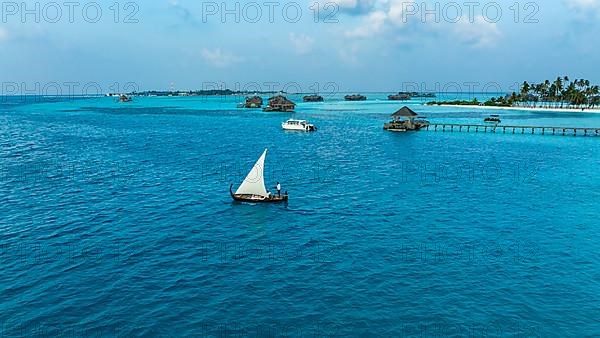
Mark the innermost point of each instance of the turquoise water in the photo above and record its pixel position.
(117, 221)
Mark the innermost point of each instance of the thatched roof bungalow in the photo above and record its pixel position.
(400, 97)
(404, 120)
(280, 103)
(403, 96)
(404, 112)
(313, 98)
(355, 97)
(253, 102)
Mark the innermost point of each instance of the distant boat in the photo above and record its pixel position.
(493, 119)
(253, 188)
(300, 125)
(124, 98)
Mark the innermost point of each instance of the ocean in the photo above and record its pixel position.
(116, 220)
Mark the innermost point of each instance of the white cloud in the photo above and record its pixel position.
(479, 33)
(219, 58)
(302, 43)
(396, 12)
(583, 4)
(351, 6)
(373, 24)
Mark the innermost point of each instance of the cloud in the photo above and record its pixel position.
(373, 24)
(219, 58)
(583, 4)
(350, 7)
(479, 33)
(302, 43)
(395, 21)
(586, 11)
(396, 12)
(355, 6)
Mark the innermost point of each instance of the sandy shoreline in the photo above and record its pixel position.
(557, 110)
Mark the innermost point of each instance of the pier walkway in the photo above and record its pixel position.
(564, 131)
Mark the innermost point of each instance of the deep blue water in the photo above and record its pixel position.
(116, 221)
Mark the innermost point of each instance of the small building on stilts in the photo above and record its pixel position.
(405, 119)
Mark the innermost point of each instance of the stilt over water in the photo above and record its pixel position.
(564, 131)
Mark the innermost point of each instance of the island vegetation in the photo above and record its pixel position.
(473, 102)
(561, 93)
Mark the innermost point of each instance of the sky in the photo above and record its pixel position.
(305, 45)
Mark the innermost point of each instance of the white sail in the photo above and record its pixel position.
(254, 184)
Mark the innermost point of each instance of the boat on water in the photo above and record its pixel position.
(299, 125)
(253, 188)
(492, 119)
(124, 98)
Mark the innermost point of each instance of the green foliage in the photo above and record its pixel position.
(560, 93)
(474, 102)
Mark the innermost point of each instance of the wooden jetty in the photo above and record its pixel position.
(543, 130)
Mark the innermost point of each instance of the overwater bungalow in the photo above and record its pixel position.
(252, 102)
(399, 97)
(355, 97)
(313, 98)
(405, 119)
(405, 96)
(280, 103)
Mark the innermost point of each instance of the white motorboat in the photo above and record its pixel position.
(300, 125)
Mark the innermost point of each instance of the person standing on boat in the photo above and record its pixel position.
(278, 189)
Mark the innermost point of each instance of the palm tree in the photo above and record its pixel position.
(546, 92)
(559, 88)
(593, 96)
(513, 98)
(574, 94)
(524, 90)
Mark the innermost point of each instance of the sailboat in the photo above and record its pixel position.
(253, 188)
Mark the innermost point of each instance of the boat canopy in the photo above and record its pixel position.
(254, 183)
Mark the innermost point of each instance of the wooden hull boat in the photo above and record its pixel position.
(257, 198)
(253, 188)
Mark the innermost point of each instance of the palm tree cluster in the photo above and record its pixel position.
(561, 93)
